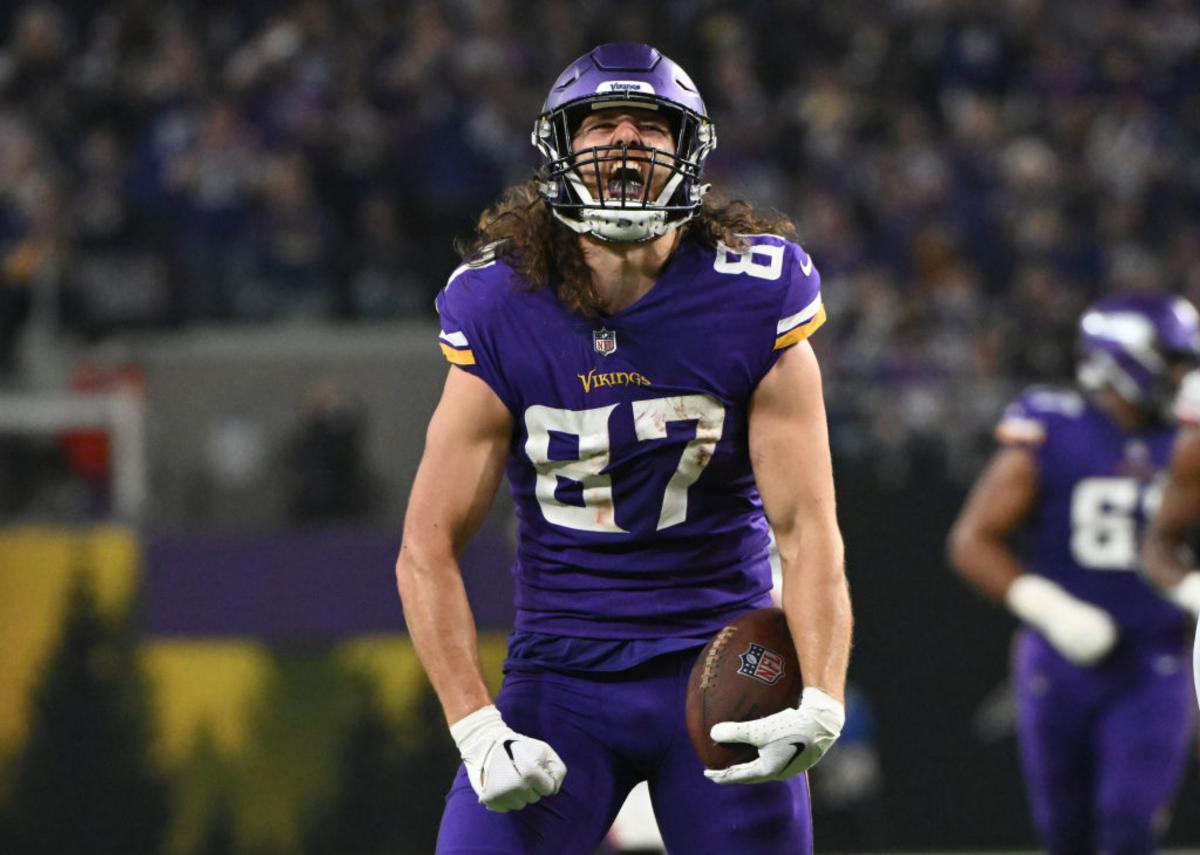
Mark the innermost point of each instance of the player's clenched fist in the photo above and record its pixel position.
(788, 742)
(506, 770)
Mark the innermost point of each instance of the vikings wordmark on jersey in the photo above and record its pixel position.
(629, 464)
(595, 380)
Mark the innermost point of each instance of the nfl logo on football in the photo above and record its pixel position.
(763, 665)
(604, 341)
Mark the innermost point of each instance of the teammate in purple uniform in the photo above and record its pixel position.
(634, 356)
(1103, 691)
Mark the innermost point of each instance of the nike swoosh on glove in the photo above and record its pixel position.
(506, 769)
(1081, 632)
(788, 742)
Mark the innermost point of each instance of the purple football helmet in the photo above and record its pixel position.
(623, 75)
(1133, 344)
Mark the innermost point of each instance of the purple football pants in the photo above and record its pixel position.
(613, 730)
(1103, 748)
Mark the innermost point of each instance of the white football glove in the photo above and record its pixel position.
(1081, 632)
(1186, 594)
(506, 770)
(788, 742)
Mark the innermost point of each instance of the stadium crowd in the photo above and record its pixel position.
(967, 174)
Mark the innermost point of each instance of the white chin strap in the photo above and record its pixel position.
(623, 224)
(632, 225)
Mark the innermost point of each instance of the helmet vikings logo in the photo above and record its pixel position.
(762, 664)
(604, 341)
(625, 86)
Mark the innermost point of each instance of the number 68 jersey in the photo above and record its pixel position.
(1097, 487)
(638, 512)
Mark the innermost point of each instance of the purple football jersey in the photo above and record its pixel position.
(639, 516)
(1096, 487)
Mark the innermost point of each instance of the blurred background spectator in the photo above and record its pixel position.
(324, 463)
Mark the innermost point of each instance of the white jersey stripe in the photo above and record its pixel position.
(805, 314)
(462, 268)
(457, 339)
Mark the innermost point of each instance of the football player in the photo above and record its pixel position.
(1169, 561)
(1103, 691)
(633, 355)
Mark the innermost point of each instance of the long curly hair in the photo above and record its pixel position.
(521, 230)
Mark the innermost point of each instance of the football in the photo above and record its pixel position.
(747, 670)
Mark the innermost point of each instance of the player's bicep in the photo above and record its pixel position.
(462, 464)
(1002, 498)
(789, 444)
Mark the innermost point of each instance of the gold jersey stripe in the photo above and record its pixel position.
(801, 332)
(458, 357)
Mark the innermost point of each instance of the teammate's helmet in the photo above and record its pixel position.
(1133, 343)
(623, 75)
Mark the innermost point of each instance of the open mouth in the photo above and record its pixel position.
(625, 183)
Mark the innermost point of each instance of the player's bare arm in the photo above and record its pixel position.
(980, 543)
(980, 550)
(1166, 558)
(789, 451)
(460, 471)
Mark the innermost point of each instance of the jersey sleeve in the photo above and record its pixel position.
(1022, 424)
(1026, 423)
(801, 312)
(1031, 420)
(796, 310)
(464, 308)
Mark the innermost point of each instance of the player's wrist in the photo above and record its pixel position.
(815, 698)
(484, 724)
(827, 710)
(1186, 594)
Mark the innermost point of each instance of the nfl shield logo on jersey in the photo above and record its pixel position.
(604, 341)
(762, 664)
